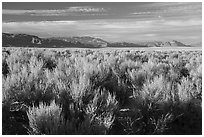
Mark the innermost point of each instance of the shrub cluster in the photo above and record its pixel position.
(83, 91)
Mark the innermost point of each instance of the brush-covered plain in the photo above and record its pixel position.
(85, 91)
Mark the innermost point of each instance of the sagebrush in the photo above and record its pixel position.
(72, 91)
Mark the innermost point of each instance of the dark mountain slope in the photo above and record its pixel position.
(24, 40)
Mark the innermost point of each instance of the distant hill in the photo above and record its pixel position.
(20, 40)
(173, 43)
(95, 42)
(25, 40)
(125, 44)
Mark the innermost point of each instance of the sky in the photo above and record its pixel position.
(111, 21)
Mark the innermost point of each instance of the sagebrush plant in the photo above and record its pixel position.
(151, 107)
(97, 118)
(185, 90)
(45, 119)
(120, 91)
(101, 110)
(28, 82)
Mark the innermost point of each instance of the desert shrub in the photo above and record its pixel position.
(137, 78)
(28, 83)
(78, 94)
(102, 109)
(49, 64)
(151, 108)
(188, 110)
(45, 119)
(104, 76)
(185, 90)
(96, 118)
(178, 67)
(103, 92)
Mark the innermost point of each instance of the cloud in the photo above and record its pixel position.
(57, 12)
(113, 29)
(142, 13)
(183, 23)
(185, 7)
(85, 9)
(169, 9)
(150, 35)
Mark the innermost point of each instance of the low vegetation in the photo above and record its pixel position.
(84, 91)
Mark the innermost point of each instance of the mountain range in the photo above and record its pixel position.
(25, 40)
